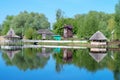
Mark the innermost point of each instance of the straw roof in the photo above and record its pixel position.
(68, 26)
(98, 36)
(98, 56)
(11, 34)
(44, 31)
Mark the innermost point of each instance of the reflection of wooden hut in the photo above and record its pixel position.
(11, 36)
(67, 55)
(98, 39)
(68, 31)
(98, 53)
(44, 33)
(11, 53)
(44, 53)
(98, 50)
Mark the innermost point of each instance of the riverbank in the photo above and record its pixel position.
(82, 43)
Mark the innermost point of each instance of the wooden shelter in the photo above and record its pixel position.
(11, 36)
(98, 53)
(68, 31)
(98, 39)
(44, 32)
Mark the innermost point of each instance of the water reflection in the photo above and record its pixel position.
(67, 55)
(26, 59)
(98, 53)
(43, 53)
(92, 60)
(11, 53)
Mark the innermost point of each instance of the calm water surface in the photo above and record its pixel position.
(59, 64)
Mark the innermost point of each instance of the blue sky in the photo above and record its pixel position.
(49, 7)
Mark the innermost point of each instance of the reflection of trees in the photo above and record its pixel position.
(116, 68)
(34, 58)
(61, 60)
(82, 59)
(27, 60)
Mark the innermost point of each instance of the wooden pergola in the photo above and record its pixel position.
(11, 36)
(44, 32)
(98, 39)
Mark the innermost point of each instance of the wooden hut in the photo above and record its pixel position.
(67, 55)
(68, 31)
(44, 33)
(11, 36)
(98, 53)
(98, 39)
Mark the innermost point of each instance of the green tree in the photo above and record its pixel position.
(59, 14)
(6, 24)
(117, 19)
(58, 26)
(29, 33)
(25, 21)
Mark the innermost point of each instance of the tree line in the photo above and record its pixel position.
(84, 25)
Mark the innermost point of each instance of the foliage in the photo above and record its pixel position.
(85, 25)
(58, 27)
(6, 24)
(25, 22)
(59, 14)
(117, 19)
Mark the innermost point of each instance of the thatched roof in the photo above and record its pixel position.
(11, 34)
(98, 36)
(44, 31)
(68, 27)
(98, 56)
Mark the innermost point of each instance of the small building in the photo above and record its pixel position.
(98, 53)
(98, 39)
(68, 31)
(56, 37)
(11, 36)
(44, 33)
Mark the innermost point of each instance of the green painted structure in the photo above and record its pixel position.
(56, 37)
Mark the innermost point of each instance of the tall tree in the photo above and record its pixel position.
(59, 14)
